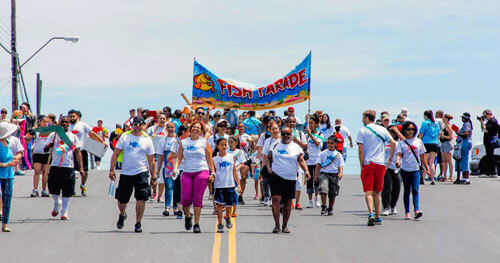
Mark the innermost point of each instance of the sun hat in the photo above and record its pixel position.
(7, 129)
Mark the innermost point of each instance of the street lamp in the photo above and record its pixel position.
(73, 39)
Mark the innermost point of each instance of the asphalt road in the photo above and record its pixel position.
(459, 225)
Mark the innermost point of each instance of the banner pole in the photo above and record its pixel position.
(309, 102)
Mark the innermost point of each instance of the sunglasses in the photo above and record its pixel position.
(137, 123)
(200, 113)
(4, 112)
(410, 129)
(64, 122)
(286, 134)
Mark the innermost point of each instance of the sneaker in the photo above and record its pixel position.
(34, 193)
(394, 211)
(138, 227)
(385, 212)
(45, 194)
(166, 213)
(298, 207)
(234, 214)
(433, 183)
(196, 229)
(317, 204)
(407, 216)
(240, 199)
(21, 173)
(418, 214)
(179, 215)
(330, 211)
(121, 221)
(465, 182)
(220, 228)
(378, 221)
(371, 219)
(323, 209)
(188, 222)
(266, 201)
(229, 224)
(493, 176)
(55, 210)
(214, 212)
(210, 196)
(64, 217)
(242, 202)
(310, 205)
(84, 190)
(484, 176)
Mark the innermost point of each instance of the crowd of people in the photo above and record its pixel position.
(174, 157)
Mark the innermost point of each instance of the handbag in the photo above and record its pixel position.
(422, 168)
(457, 151)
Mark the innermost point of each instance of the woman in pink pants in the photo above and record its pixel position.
(196, 158)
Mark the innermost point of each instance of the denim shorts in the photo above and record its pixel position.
(226, 196)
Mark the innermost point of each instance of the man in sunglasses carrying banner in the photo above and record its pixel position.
(371, 141)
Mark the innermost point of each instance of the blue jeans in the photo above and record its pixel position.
(169, 188)
(463, 164)
(344, 153)
(411, 182)
(6, 185)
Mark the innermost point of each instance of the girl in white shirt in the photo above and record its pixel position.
(410, 155)
(226, 179)
(239, 157)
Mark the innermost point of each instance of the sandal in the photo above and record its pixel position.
(286, 230)
(276, 230)
(6, 229)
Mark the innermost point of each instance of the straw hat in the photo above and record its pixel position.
(7, 129)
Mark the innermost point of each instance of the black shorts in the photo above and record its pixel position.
(439, 156)
(97, 159)
(431, 148)
(85, 159)
(61, 179)
(284, 188)
(42, 158)
(127, 183)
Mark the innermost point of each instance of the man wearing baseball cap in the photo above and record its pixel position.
(291, 113)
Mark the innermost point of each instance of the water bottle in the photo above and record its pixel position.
(111, 190)
(257, 172)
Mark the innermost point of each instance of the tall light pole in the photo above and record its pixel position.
(13, 52)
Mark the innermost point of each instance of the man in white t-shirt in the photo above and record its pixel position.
(371, 142)
(62, 173)
(138, 162)
(82, 131)
(347, 136)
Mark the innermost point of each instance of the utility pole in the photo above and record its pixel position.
(38, 95)
(13, 52)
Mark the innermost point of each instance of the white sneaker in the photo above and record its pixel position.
(310, 205)
(394, 211)
(484, 176)
(266, 201)
(316, 200)
(385, 212)
(493, 176)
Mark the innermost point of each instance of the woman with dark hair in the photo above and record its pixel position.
(299, 138)
(282, 164)
(326, 126)
(410, 157)
(266, 176)
(392, 179)
(446, 138)
(428, 133)
(464, 142)
(198, 170)
(315, 142)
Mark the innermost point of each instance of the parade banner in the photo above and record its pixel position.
(210, 90)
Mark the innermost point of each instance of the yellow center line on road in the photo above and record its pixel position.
(231, 250)
(216, 246)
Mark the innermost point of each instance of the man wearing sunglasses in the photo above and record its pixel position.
(3, 117)
(371, 141)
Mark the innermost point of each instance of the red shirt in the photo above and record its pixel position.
(340, 144)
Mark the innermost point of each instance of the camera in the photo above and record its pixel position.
(480, 118)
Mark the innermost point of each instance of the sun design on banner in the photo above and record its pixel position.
(203, 82)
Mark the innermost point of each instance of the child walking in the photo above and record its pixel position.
(226, 179)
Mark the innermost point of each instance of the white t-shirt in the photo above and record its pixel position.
(245, 141)
(224, 171)
(39, 143)
(81, 130)
(299, 135)
(262, 139)
(330, 161)
(327, 132)
(409, 162)
(62, 154)
(212, 140)
(238, 155)
(175, 149)
(345, 133)
(388, 154)
(314, 150)
(285, 163)
(194, 159)
(136, 149)
(157, 135)
(15, 145)
(374, 147)
(269, 145)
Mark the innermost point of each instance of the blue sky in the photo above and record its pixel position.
(383, 55)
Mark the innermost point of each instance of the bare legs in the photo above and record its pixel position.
(372, 199)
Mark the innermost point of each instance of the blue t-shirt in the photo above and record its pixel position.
(251, 126)
(430, 130)
(5, 157)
